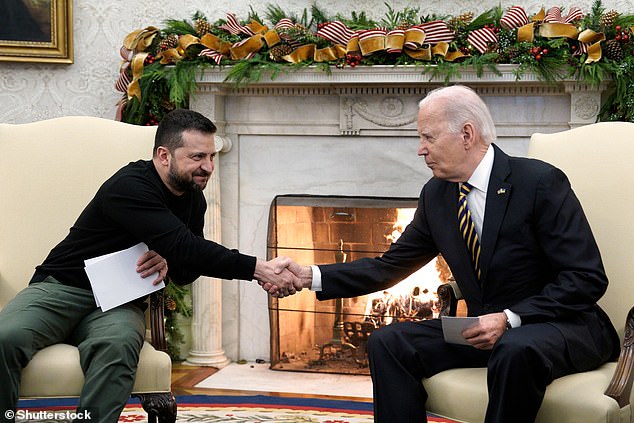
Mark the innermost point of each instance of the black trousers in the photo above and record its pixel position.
(519, 368)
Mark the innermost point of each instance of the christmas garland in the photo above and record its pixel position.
(161, 66)
(177, 303)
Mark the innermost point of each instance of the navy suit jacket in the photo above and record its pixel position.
(538, 255)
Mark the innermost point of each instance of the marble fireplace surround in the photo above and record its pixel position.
(351, 132)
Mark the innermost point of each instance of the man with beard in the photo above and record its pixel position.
(158, 202)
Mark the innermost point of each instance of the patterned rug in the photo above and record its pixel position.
(215, 409)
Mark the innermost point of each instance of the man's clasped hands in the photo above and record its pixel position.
(281, 276)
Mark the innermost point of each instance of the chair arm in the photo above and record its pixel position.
(157, 321)
(620, 386)
(448, 295)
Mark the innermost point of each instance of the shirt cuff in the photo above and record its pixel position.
(316, 285)
(514, 319)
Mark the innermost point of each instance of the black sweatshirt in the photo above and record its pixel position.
(134, 206)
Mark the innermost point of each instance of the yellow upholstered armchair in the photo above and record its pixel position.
(598, 160)
(49, 170)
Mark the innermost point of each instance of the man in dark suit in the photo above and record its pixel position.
(534, 283)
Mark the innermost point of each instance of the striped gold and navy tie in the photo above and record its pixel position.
(467, 228)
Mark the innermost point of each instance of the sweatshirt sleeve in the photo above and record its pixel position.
(141, 209)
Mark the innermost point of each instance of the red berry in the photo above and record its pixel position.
(538, 57)
(617, 28)
(625, 38)
(617, 38)
(545, 51)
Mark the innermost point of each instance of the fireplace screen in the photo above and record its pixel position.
(330, 336)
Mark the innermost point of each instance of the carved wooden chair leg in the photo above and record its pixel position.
(161, 406)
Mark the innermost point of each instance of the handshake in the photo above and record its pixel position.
(281, 276)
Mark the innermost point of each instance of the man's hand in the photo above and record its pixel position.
(151, 262)
(274, 277)
(304, 275)
(486, 333)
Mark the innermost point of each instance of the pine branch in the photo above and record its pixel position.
(275, 13)
(485, 18)
(182, 27)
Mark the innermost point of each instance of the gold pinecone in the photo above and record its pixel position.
(170, 41)
(614, 50)
(202, 27)
(461, 20)
(608, 18)
(170, 304)
(513, 52)
(276, 53)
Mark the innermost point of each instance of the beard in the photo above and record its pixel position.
(185, 183)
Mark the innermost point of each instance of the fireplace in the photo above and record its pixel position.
(350, 132)
(330, 336)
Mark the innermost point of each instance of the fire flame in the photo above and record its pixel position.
(426, 279)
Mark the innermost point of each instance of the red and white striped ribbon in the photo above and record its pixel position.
(234, 27)
(124, 79)
(336, 32)
(574, 14)
(212, 54)
(515, 17)
(371, 33)
(436, 32)
(281, 26)
(554, 15)
(480, 39)
(126, 54)
(284, 23)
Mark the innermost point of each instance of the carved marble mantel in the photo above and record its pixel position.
(301, 109)
(373, 99)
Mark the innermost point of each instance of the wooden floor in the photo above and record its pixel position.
(185, 377)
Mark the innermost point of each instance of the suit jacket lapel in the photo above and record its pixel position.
(498, 194)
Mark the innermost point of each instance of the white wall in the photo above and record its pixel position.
(30, 92)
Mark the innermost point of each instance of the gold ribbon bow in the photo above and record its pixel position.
(135, 43)
(592, 41)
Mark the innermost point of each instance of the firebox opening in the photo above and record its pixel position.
(330, 336)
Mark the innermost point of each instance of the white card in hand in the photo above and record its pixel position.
(452, 328)
(114, 278)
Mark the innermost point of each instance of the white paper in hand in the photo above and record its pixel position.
(452, 328)
(114, 278)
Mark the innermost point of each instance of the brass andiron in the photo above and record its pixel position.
(337, 343)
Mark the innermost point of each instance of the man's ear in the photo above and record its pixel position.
(163, 155)
(468, 135)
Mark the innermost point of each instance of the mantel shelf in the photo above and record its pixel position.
(383, 75)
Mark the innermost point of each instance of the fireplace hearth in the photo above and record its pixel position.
(331, 336)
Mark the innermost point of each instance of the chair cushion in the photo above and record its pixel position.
(462, 394)
(65, 378)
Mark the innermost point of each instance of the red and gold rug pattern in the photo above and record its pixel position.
(240, 409)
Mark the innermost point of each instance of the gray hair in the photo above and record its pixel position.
(461, 105)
